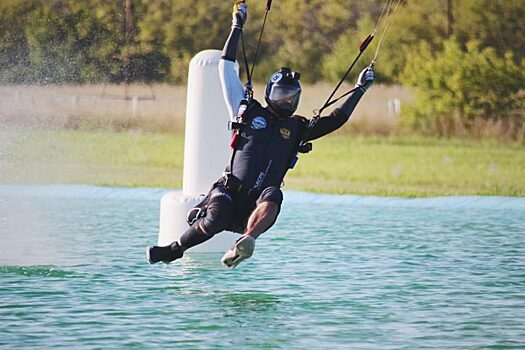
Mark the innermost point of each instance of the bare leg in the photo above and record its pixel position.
(261, 219)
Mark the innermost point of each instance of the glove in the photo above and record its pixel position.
(366, 78)
(239, 14)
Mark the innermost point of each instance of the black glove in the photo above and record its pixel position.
(366, 78)
(239, 14)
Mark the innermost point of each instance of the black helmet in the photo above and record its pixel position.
(283, 91)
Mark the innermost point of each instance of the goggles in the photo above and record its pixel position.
(285, 97)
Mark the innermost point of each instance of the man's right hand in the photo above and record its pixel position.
(239, 14)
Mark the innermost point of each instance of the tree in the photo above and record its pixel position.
(346, 48)
(14, 53)
(303, 32)
(464, 84)
(493, 23)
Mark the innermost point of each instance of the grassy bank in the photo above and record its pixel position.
(161, 108)
(410, 166)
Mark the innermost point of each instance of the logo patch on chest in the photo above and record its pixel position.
(259, 123)
(285, 133)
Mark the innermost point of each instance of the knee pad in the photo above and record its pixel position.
(218, 214)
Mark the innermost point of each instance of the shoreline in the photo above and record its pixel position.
(339, 164)
(77, 191)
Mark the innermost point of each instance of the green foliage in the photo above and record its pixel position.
(302, 32)
(180, 29)
(346, 48)
(14, 59)
(463, 83)
(70, 42)
(416, 22)
(493, 23)
(78, 41)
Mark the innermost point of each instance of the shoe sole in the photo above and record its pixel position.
(243, 250)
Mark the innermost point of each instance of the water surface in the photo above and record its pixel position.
(335, 272)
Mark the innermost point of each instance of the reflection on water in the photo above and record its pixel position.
(248, 300)
(335, 272)
(32, 271)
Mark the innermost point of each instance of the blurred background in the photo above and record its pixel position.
(455, 67)
(447, 69)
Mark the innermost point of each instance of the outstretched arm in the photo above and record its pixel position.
(340, 115)
(232, 87)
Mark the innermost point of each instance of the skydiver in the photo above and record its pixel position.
(247, 198)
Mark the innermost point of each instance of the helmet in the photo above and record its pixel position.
(283, 91)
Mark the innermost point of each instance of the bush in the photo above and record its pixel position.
(462, 86)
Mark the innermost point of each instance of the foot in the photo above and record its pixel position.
(242, 250)
(165, 254)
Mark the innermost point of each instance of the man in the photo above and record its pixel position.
(247, 199)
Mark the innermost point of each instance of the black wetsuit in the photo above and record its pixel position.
(267, 144)
(262, 154)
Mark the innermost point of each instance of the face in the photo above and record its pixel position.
(285, 97)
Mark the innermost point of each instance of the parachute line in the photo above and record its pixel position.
(384, 21)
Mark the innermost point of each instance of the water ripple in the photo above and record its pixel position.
(345, 275)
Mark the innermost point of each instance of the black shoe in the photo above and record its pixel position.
(165, 254)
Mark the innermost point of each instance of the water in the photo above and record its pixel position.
(338, 272)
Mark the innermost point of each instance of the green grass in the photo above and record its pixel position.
(395, 166)
(411, 166)
(98, 158)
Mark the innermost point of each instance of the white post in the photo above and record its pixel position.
(394, 107)
(207, 139)
(206, 151)
(135, 106)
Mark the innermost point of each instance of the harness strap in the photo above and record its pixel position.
(232, 183)
(239, 125)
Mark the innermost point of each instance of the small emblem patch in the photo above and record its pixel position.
(285, 133)
(276, 77)
(259, 123)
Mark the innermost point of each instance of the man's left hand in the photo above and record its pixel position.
(366, 78)
(239, 13)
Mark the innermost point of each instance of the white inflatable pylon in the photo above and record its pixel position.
(206, 152)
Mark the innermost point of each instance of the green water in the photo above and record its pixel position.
(331, 274)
